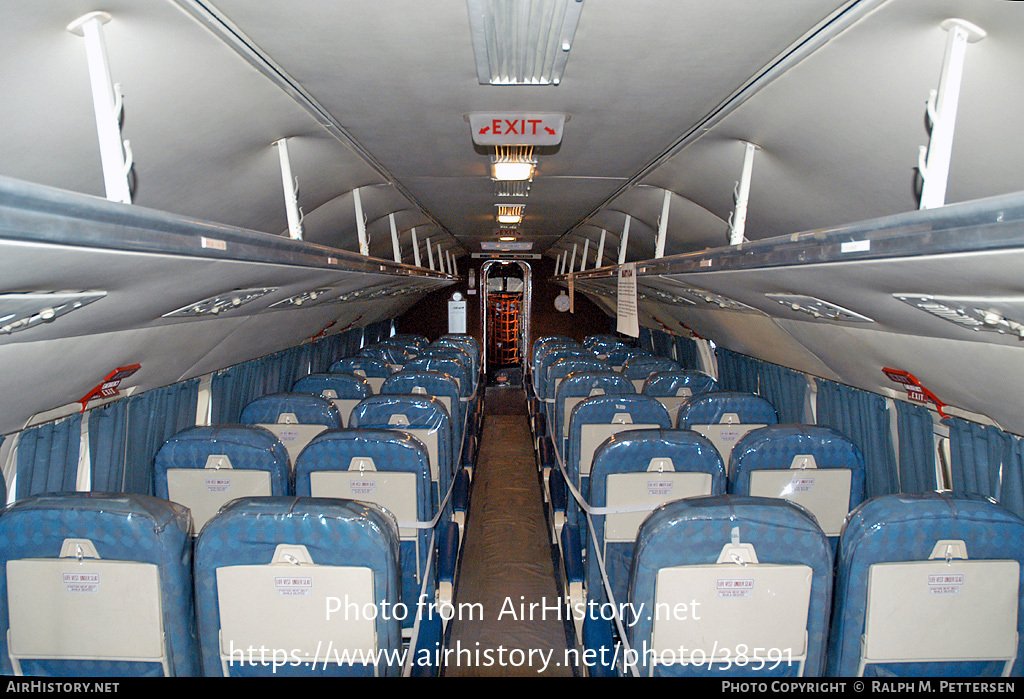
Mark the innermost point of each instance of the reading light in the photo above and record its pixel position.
(509, 214)
(513, 163)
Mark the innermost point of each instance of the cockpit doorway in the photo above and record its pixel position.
(505, 300)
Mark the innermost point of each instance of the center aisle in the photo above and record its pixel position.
(506, 561)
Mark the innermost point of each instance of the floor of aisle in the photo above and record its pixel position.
(506, 560)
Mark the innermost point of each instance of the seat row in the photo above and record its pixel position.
(792, 488)
(924, 585)
(109, 584)
(267, 562)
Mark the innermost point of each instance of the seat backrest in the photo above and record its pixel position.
(385, 467)
(642, 467)
(294, 418)
(453, 367)
(603, 344)
(394, 355)
(453, 351)
(725, 416)
(541, 387)
(557, 372)
(594, 420)
(541, 344)
(929, 584)
(420, 341)
(760, 570)
(96, 584)
(205, 467)
(580, 385)
(302, 574)
(431, 383)
(468, 343)
(638, 367)
(374, 370)
(673, 388)
(815, 467)
(344, 390)
(422, 416)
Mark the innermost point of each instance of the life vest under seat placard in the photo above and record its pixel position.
(757, 606)
(395, 491)
(647, 488)
(289, 607)
(825, 492)
(204, 491)
(942, 610)
(88, 609)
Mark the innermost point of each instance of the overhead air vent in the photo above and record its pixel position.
(661, 296)
(697, 296)
(817, 308)
(999, 315)
(306, 298)
(522, 42)
(21, 311)
(220, 303)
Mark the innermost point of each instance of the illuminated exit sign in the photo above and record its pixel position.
(516, 128)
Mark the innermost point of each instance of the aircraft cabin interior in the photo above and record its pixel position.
(476, 338)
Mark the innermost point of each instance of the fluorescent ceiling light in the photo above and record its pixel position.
(513, 163)
(508, 214)
(512, 171)
(522, 42)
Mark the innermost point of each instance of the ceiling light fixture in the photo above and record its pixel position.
(513, 163)
(522, 42)
(510, 214)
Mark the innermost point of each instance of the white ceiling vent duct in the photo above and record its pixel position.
(522, 42)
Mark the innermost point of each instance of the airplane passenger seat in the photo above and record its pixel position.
(725, 416)
(96, 584)
(638, 367)
(344, 390)
(392, 470)
(730, 586)
(294, 418)
(313, 582)
(205, 467)
(929, 584)
(673, 388)
(816, 467)
(373, 370)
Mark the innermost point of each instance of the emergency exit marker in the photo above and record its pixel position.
(516, 128)
(108, 387)
(915, 391)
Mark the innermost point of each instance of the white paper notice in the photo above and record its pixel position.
(626, 311)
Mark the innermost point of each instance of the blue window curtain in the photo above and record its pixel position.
(985, 460)
(153, 418)
(917, 447)
(862, 417)
(48, 457)
(737, 372)
(1011, 491)
(107, 436)
(686, 353)
(783, 388)
(645, 341)
(662, 343)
